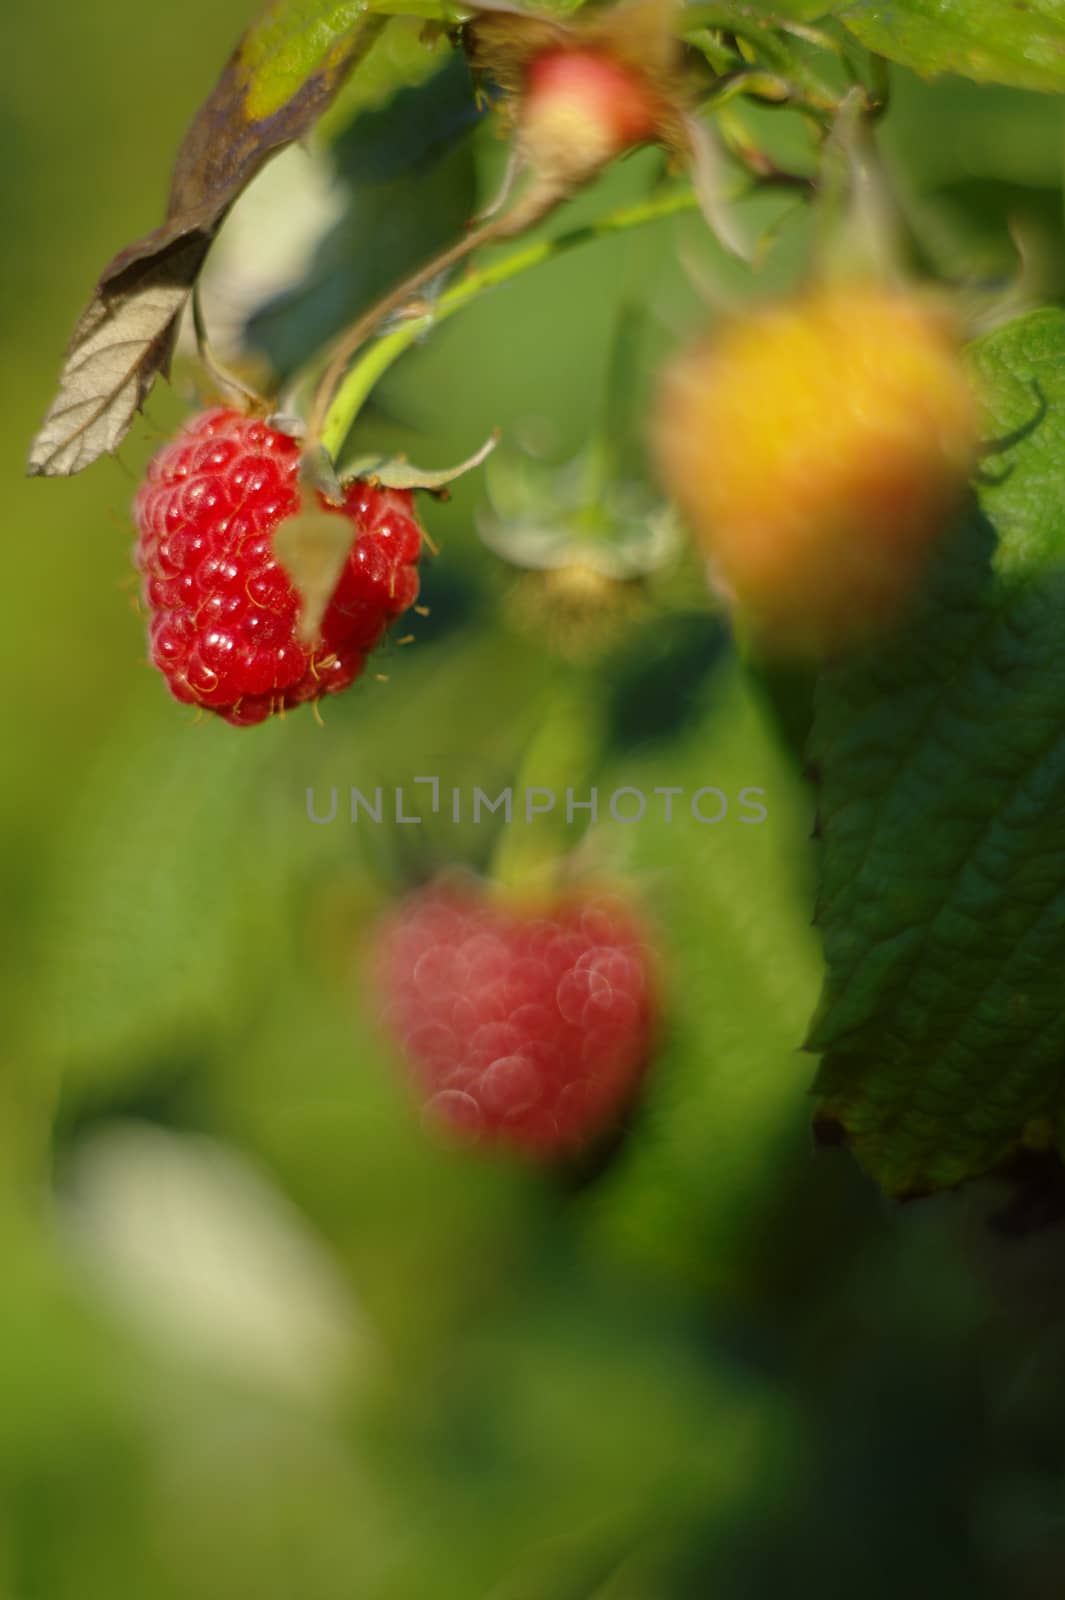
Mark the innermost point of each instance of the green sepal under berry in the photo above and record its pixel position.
(396, 472)
(941, 758)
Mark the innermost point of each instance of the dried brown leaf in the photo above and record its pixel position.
(278, 82)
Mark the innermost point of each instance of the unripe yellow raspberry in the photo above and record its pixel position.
(819, 448)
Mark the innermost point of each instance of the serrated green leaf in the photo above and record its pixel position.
(942, 756)
(993, 41)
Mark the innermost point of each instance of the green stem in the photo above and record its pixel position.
(563, 753)
(857, 227)
(370, 367)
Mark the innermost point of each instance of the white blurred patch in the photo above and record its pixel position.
(267, 244)
(204, 1256)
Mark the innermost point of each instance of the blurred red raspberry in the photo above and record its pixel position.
(529, 1028)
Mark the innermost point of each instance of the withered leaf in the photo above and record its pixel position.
(123, 339)
(280, 79)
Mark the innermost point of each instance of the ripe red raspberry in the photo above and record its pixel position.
(529, 1028)
(224, 612)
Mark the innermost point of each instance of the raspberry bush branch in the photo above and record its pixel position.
(498, 228)
(595, 88)
(580, 93)
(342, 395)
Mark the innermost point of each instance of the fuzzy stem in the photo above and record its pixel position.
(538, 201)
(353, 390)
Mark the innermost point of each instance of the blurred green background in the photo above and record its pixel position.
(259, 1336)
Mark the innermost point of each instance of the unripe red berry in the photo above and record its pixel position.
(819, 449)
(581, 108)
(223, 612)
(522, 1026)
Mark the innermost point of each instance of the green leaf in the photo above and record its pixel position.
(410, 131)
(942, 758)
(993, 41)
(291, 41)
(729, 16)
(426, 10)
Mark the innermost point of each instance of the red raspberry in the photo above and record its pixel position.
(224, 613)
(527, 1028)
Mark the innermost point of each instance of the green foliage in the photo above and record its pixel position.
(725, 15)
(789, 10)
(740, 974)
(169, 935)
(291, 42)
(408, 169)
(943, 793)
(993, 41)
(298, 1349)
(284, 75)
(148, 955)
